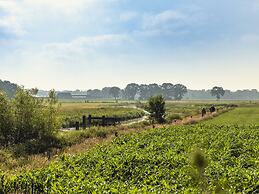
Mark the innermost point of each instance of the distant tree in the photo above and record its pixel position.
(143, 92)
(218, 92)
(131, 91)
(53, 96)
(64, 95)
(115, 92)
(106, 93)
(168, 90)
(179, 91)
(156, 107)
(9, 88)
(95, 94)
(154, 89)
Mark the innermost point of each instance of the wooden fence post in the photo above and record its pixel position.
(77, 125)
(103, 120)
(84, 122)
(89, 120)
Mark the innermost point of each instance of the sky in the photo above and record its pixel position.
(83, 44)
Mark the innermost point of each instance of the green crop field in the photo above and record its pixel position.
(239, 116)
(202, 158)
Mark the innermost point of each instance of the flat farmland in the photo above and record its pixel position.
(73, 112)
(238, 116)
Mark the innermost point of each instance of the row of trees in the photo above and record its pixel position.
(25, 118)
(142, 92)
(9, 88)
(166, 90)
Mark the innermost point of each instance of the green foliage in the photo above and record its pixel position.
(156, 107)
(238, 116)
(6, 119)
(26, 118)
(217, 91)
(9, 88)
(131, 91)
(71, 115)
(168, 90)
(115, 92)
(156, 161)
(179, 91)
(172, 117)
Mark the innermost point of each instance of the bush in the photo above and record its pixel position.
(156, 107)
(172, 117)
(27, 118)
(6, 121)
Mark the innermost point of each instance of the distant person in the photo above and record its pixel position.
(212, 109)
(203, 112)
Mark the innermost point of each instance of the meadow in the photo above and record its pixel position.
(240, 116)
(213, 156)
(71, 112)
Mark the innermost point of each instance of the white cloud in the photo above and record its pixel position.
(250, 38)
(84, 45)
(163, 18)
(11, 21)
(18, 15)
(60, 6)
(127, 16)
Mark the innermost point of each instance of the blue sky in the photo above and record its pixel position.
(84, 44)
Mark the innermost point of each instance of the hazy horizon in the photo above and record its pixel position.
(87, 44)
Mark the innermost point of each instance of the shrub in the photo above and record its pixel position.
(172, 117)
(6, 121)
(156, 107)
(27, 118)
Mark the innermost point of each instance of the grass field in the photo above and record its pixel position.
(73, 112)
(238, 116)
(183, 109)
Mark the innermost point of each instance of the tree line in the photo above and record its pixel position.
(143, 92)
(9, 88)
(133, 91)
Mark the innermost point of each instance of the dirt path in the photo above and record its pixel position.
(198, 118)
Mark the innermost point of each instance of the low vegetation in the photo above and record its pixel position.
(27, 120)
(70, 113)
(238, 116)
(169, 159)
(193, 158)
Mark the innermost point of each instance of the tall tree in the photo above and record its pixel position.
(168, 90)
(179, 91)
(218, 92)
(115, 92)
(154, 89)
(106, 93)
(131, 91)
